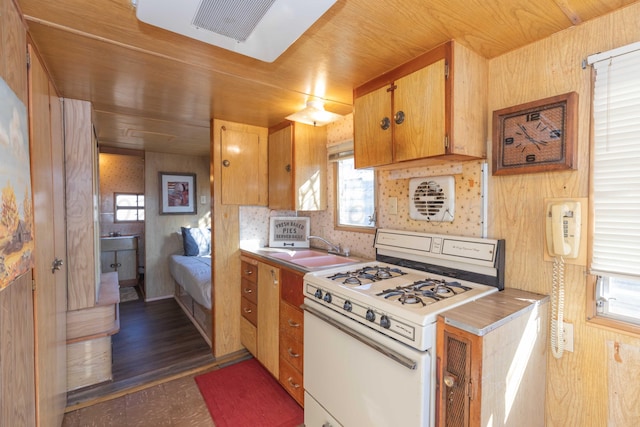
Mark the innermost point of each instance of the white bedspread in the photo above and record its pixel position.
(193, 273)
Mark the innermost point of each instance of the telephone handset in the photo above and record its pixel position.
(563, 229)
(563, 241)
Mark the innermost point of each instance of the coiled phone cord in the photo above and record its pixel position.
(557, 309)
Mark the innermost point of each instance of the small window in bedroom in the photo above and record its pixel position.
(129, 207)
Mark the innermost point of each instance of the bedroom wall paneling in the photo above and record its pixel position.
(225, 241)
(16, 299)
(161, 239)
(50, 290)
(579, 385)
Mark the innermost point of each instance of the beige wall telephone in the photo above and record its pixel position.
(563, 224)
(563, 229)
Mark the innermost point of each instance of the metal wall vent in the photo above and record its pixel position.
(261, 29)
(231, 18)
(432, 198)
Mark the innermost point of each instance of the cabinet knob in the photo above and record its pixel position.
(385, 123)
(248, 290)
(449, 380)
(293, 324)
(287, 168)
(226, 163)
(247, 310)
(292, 384)
(292, 354)
(248, 272)
(399, 117)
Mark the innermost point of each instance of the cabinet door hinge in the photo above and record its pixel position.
(28, 59)
(33, 284)
(446, 142)
(446, 70)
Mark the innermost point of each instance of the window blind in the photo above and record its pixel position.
(616, 163)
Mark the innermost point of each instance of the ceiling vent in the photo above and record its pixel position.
(261, 29)
(432, 198)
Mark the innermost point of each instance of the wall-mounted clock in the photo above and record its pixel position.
(538, 136)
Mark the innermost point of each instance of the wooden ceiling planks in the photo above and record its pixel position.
(157, 90)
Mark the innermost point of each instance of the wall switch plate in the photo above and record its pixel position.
(203, 200)
(567, 334)
(393, 205)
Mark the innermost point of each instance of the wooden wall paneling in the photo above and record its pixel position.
(577, 389)
(225, 241)
(17, 379)
(13, 49)
(80, 159)
(50, 289)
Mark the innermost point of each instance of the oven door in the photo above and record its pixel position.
(356, 376)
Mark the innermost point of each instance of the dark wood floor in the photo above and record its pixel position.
(156, 340)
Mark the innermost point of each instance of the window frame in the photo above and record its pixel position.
(596, 300)
(138, 207)
(336, 204)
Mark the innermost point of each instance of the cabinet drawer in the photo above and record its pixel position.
(249, 272)
(291, 288)
(291, 321)
(249, 291)
(292, 351)
(249, 311)
(291, 380)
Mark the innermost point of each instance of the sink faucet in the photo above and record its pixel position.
(333, 249)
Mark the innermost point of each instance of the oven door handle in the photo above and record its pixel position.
(394, 355)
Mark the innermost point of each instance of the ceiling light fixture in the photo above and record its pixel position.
(314, 114)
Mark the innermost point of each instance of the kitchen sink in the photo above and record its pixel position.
(293, 255)
(323, 261)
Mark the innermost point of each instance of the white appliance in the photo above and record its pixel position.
(370, 332)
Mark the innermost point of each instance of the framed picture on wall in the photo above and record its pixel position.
(177, 193)
(16, 207)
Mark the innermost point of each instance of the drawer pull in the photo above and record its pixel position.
(292, 384)
(248, 272)
(291, 353)
(247, 310)
(293, 324)
(248, 291)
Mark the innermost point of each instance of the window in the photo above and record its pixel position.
(129, 207)
(355, 190)
(616, 183)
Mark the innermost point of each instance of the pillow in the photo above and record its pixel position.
(196, 241)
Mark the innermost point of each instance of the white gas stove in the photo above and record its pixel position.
(370, 327)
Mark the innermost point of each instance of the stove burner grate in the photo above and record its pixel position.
(416, 293)
(367, 274)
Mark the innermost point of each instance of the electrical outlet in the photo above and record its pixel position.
(567, 334)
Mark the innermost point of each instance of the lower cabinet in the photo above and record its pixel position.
(492, 364)
(291, 334)
(120, 254)
(271, 326)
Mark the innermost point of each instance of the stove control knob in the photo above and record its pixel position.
(347, 306)
(385, 322)
(327, 298)
(370, 316)
(318, 294)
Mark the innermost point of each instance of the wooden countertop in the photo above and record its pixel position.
(485, 314)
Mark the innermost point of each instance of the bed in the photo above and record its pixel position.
(190, 269)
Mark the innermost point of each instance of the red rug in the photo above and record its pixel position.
(245, 394)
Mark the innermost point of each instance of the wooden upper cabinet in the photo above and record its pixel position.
(243, 157)
(431, 108)
(297, 167)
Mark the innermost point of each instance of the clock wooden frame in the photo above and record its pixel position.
(537, 136)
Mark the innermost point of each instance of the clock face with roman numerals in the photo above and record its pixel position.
(535, 137)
